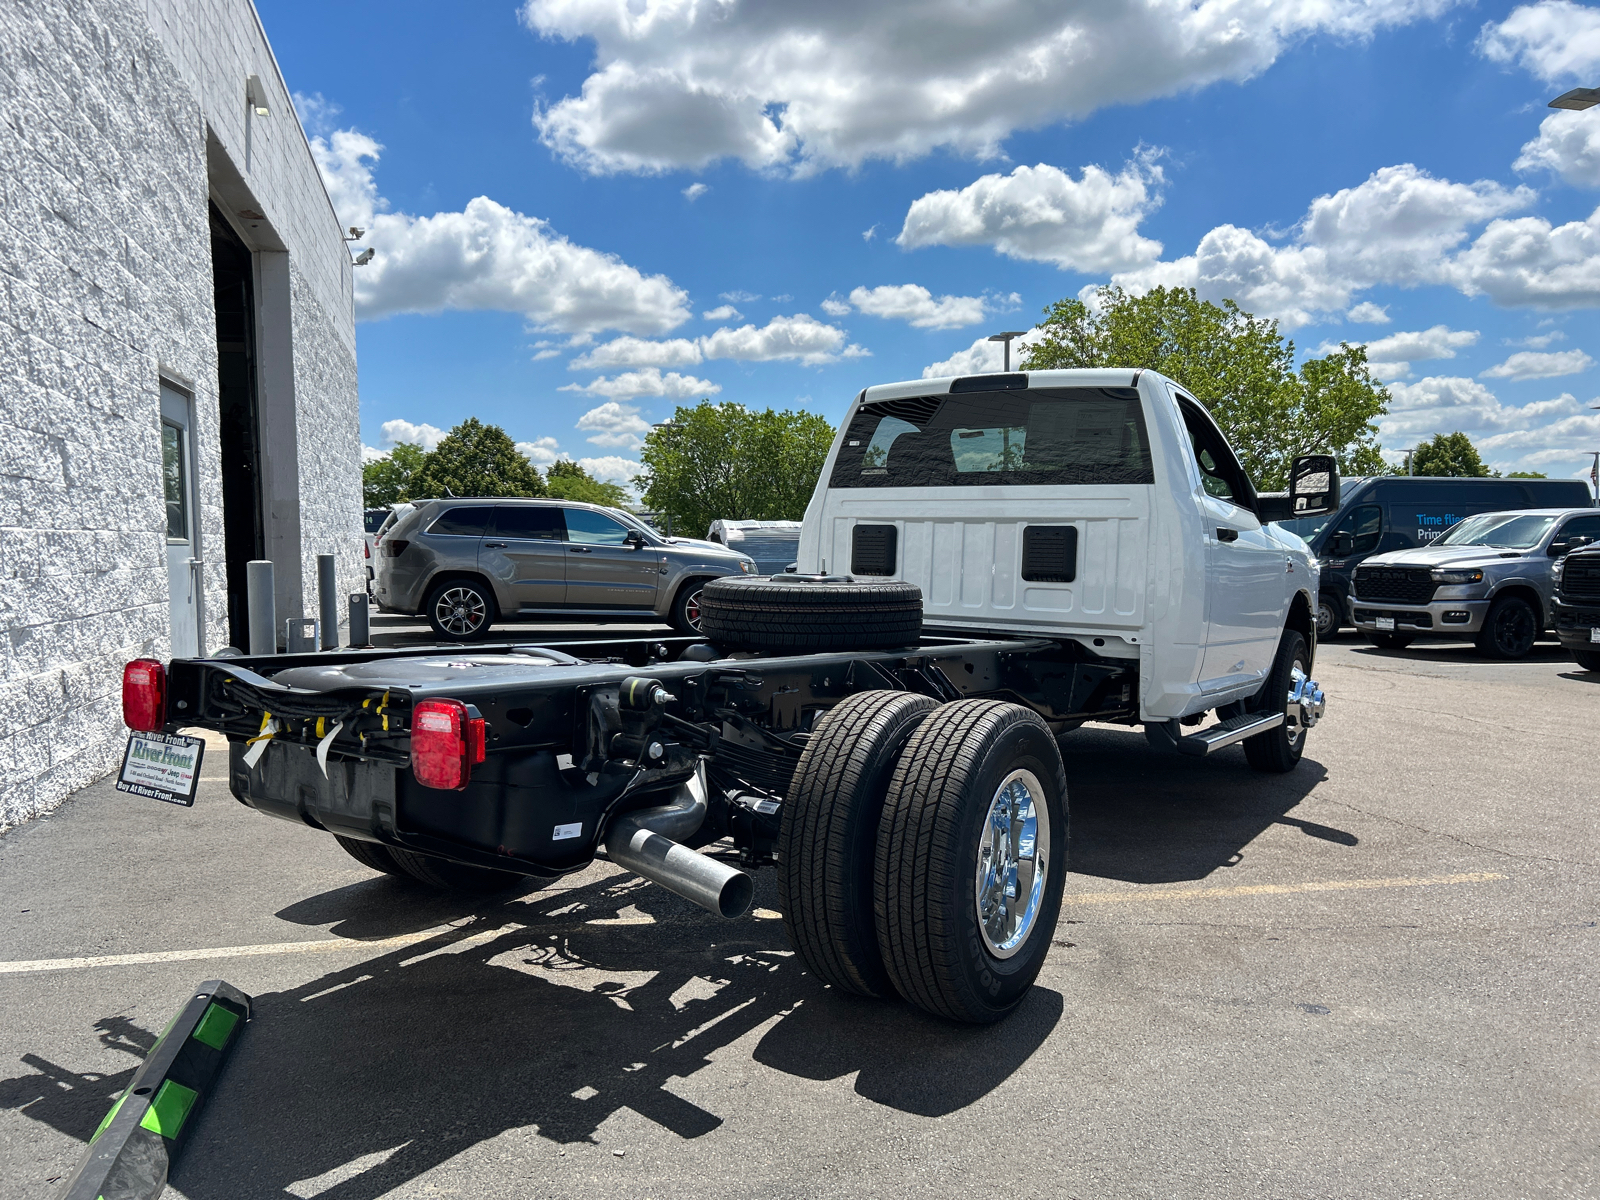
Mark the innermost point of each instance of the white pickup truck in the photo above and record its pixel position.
(987, 563)
(1101, 506)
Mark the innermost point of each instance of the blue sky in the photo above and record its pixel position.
(1371, 170)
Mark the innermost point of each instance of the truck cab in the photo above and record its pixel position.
(1103, 507)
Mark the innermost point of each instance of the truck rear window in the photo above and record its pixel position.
(1041, 436)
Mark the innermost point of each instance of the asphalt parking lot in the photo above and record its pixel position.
(1375, 976)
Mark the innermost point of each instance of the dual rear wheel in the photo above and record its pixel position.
(923, 851)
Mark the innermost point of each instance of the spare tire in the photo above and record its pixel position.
(810, 612)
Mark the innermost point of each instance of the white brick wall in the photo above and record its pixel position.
(105, 285)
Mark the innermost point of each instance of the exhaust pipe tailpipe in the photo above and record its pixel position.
(642, 841)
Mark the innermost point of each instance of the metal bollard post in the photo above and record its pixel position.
(360, 622)
(300, 635)
(262, 602)
(328, 601)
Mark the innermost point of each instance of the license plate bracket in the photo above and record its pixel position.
(162, 766)
(1385, 624)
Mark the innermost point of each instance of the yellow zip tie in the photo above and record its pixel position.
(319, 727)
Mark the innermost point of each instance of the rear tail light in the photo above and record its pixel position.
(395, 549)
(367, 547)
(446, 741)
(144, 695)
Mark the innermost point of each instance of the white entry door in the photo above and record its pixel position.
(183, 558)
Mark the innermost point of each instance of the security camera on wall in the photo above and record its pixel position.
(364, 257)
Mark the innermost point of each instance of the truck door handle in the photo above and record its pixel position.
(494, 545)
(1227, 535)
(579, 549)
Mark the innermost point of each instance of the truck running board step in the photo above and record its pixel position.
(1226, 733)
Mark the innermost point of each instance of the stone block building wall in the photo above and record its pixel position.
(110, 151)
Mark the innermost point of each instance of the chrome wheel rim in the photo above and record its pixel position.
(691, 610)
(461, 611)
(1013, 864)
(1294, 715)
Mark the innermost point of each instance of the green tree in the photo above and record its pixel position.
(1526, 475)
(1448, 454)
(726, 461)
(387, 481)
(568, 481)
(1237, 365)
(475, 459)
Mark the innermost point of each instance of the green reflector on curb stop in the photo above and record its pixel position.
(215, 1026)
(169, 1109)
(108, 1116)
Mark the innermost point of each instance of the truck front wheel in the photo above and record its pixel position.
(971, 861)
(1279, 750)
(830, 832)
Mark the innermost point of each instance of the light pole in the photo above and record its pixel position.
(1006, 338)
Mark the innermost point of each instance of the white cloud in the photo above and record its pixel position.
(738, 297)
(1399, 226)
(1556, 40)
(694, 191)
(913, 303)
(1541, 341)
(983, 357)
(800, 337)
(612, 468)
(647, 382)
(723, 312)
(638, 352)
(805, 86)
(868, 234)
(835, 307)
(1528, 261)
(1539, 436)
(1391, 357)
(613, 424)
(1569, 145)
(1530, 364)
(542, 451)
(484, 257)
(1368, 313)
(1042, 214)
(372, 454)
(426, 436)
(541, 355)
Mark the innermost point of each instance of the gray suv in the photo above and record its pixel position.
(465, 563)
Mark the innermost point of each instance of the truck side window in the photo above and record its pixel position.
(1364, 527)
(1220, 472)
(1580, 527)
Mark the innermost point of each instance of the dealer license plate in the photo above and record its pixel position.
(1386, 624)
(162, 766)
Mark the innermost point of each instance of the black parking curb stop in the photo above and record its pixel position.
(130, 1154)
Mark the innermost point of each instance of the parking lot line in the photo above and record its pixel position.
(409, 939)
(1277, 889)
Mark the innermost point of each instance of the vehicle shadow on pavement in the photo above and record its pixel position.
(553, 1010)
(1143, 817)
(73, 1102)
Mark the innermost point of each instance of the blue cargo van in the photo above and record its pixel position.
(1395, 512)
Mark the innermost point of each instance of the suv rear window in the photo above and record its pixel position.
(467, 522)
(1041, 436)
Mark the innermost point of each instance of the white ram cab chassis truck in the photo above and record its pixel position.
(987, 563)
(1104, 507)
